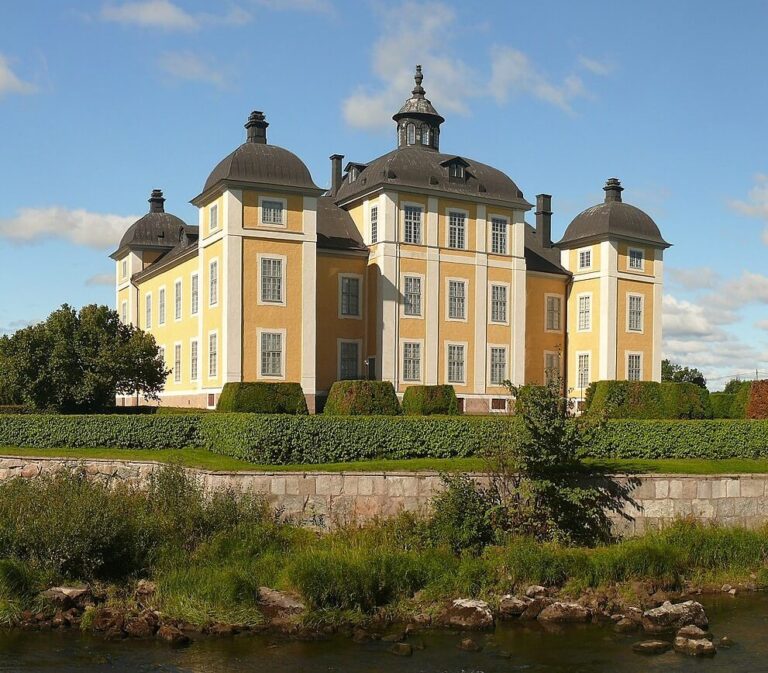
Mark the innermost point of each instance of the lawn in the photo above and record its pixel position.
(201, 458)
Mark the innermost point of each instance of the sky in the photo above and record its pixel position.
(102, 101)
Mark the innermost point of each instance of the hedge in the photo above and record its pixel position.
(362, 398)
(648, 399)
(722, 404)
(757, 407)
(430, 400)
(263, 398)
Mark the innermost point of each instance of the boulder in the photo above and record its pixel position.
(535, 607)
(695, 647)
(726, 642)
(108, 619)
(401, 649)
(651, 646)
(671, 617)
(692, 631)
(512, 606)
(469, 645)
(142, 625)
(565, 613)
(626, 625)
(145, 588)
(469, 614)
(173, 635)
(535, 591)
(220, 629)
(68, 597)
(360, 635)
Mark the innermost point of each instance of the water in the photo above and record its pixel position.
(582, 649)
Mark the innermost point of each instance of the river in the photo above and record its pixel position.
(513, 647)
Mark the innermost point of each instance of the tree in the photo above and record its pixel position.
(733, 386)
(674, 373)
(78, 361)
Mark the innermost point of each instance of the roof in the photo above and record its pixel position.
(155, 230)
(423, 168)
(186, 243)
(335, 227)
(539, 258)
(613, 217)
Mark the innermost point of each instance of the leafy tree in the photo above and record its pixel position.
(733, 386)
(78, 361)
(676, 373)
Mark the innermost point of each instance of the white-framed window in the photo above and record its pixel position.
(636, 259)
(499, 235)
(124, 312)
(425, 135)
(457, 299)
(412, 296)
(350, 304)
(553, 312)
(161, 353)
(213, 282)
(374, 224)
(411, 134)
(213, 217)
(148, 311)
(456, 170)
(455, 363)
(272, 211)
(349, 359)
(177, 299)
(498, 365)
(457, 229)
(161, 306)
(213, 355)
(272, 352)
(582, 370)
(634, 313)
(552, 370)
(271, 285)
(412, 223)
(634, 366)
(193, 359)
(585, 258)
(124, 268)
(177, 363)
(195, 294)
(585, 312)
(411, 361)
(499, 303)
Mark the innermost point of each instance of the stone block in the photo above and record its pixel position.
(718, 488)
(733, 488)
(659, 509)
(396, 487)
(704, 489)
(662, 489)
(328, 484)
(307, 485)
(702, 508)
(277, 486)
(752, 488)
(365, 485)
(646, 489)
(676, 488)
(291, 484)
(690, 488)
(350, 484)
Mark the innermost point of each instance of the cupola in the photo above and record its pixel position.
(418, 123)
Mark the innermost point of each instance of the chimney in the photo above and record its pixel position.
(544, 219)
(156, 201)
(256, 128)
(335, 172)
(613, 190)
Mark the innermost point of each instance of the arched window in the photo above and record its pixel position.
(411, 130)
(425, 135)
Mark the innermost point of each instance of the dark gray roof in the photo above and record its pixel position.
(157, 229)
(335, 227)
(422, 168)
(539, 258)
(613, 218)
(186, 242)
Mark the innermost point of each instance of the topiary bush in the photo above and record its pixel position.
(263, 398)
(648, 400)
(362, 398)
(757, 407)
(430, 400)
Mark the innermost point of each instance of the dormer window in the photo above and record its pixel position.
(353, 173)
(411, 134)
(456, 170)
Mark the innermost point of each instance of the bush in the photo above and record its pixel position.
(722, 404)
(14, 409)
(740, 402)
(362, 398)
(648, 399)
(757, 407)
(429, 400)
(263, 398)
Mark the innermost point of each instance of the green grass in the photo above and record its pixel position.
(202, 458)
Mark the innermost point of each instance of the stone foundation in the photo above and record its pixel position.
(328, 499)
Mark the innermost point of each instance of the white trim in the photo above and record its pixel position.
(124, 317)
(360, 358)
(464, 344)
(211, 262)
(147, 323)
(283, 278)
(309, 297)
(368, 207)
(607, 357)
(177, 378)
(488, 370)
(491, 218)
(642, 313)
(448, 280)
(275, 199)
(208, 355)
(448, 212)
(561, 297)
(403, 380)
(211, 208)
(194, 274)
(626, 363)
(630, 268)
(178, 281)
(559, 356)
(590, 266)
(361, 294)
(401, 208)
(283, 346)
(161, 314)
(194, 340)
(578, 312)
(422, 279)
(577, 387)
(491, 285)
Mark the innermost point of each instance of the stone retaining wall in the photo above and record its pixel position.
(327, 499)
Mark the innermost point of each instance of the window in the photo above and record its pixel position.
(124, 268)
(457, 223)
(583, 370)
(193, 360)
(161, 353)
(148, 312)
(635, 308)
(585, 313)
(455, 363)
(349, 357)
(554, 308)
(499, 236)
(498, 365)
(350, 296)
(352, 173)
(551, 367)
(411, 134)
(412, 295)
(213, 355)
(177, 363)
(271, 280)
(161, 306)
(456, 170)
(634, 366)
(213, 283)
(499, 303)
(636, 256)
(195, 294)
(214, 217)
(271, 354)
(411, 361)
(272, 212)
(177, 299)
(457, 307)
(585, 258)
(124, 312)
(425, 135)
(498, 404)
(374, 224)
(412, 224)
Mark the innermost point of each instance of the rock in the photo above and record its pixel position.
(626, 625)
(67, 597)
(360, 635)
(143, 625)
(72, 616)
(535, 607)
(422, 619)
(401, 649)
(726, 588)
(671, 617)
(535, 591)
(726, 642)
(278, 605)
(172, 635)
(635, 614)
(469, 645)
(469, 614)
(145, 588)
(651, 646)
(219, 629)
(108, 619)
(700, 647)
(396, 637)
(732, 592)
(565, 613)
(692, 631)
(617, 618)
(512, 606)
(114, 633)
(659, 597)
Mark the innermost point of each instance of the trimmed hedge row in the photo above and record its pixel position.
(362, 398)
(263, 398)
(648, 400)
(430, 400)
(722, 404)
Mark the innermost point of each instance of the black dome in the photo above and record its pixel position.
(157, 229)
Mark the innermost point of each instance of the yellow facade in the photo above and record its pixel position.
(538, 339)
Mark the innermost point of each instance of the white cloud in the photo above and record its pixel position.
(94, 230)
(694, 278)
(756, 204)
(596, 67)
(10, 82)
(749, 288)
(300, 5)
(188, 66)
(15, 325)
(101, 279)
(166, 15)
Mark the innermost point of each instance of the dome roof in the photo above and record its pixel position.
(257, 162)
(613, 218)
(157, 229)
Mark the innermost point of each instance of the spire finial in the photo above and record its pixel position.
(613, 189)
(418, 90)
(256, 127)
(156, 201)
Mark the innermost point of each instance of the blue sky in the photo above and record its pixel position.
(101, 101)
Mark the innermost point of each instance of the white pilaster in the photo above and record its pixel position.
(432, 294)
(309, 297)
(658, 287)
(609, 268)
(389, 292)
(232, 287)
(517, 318)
